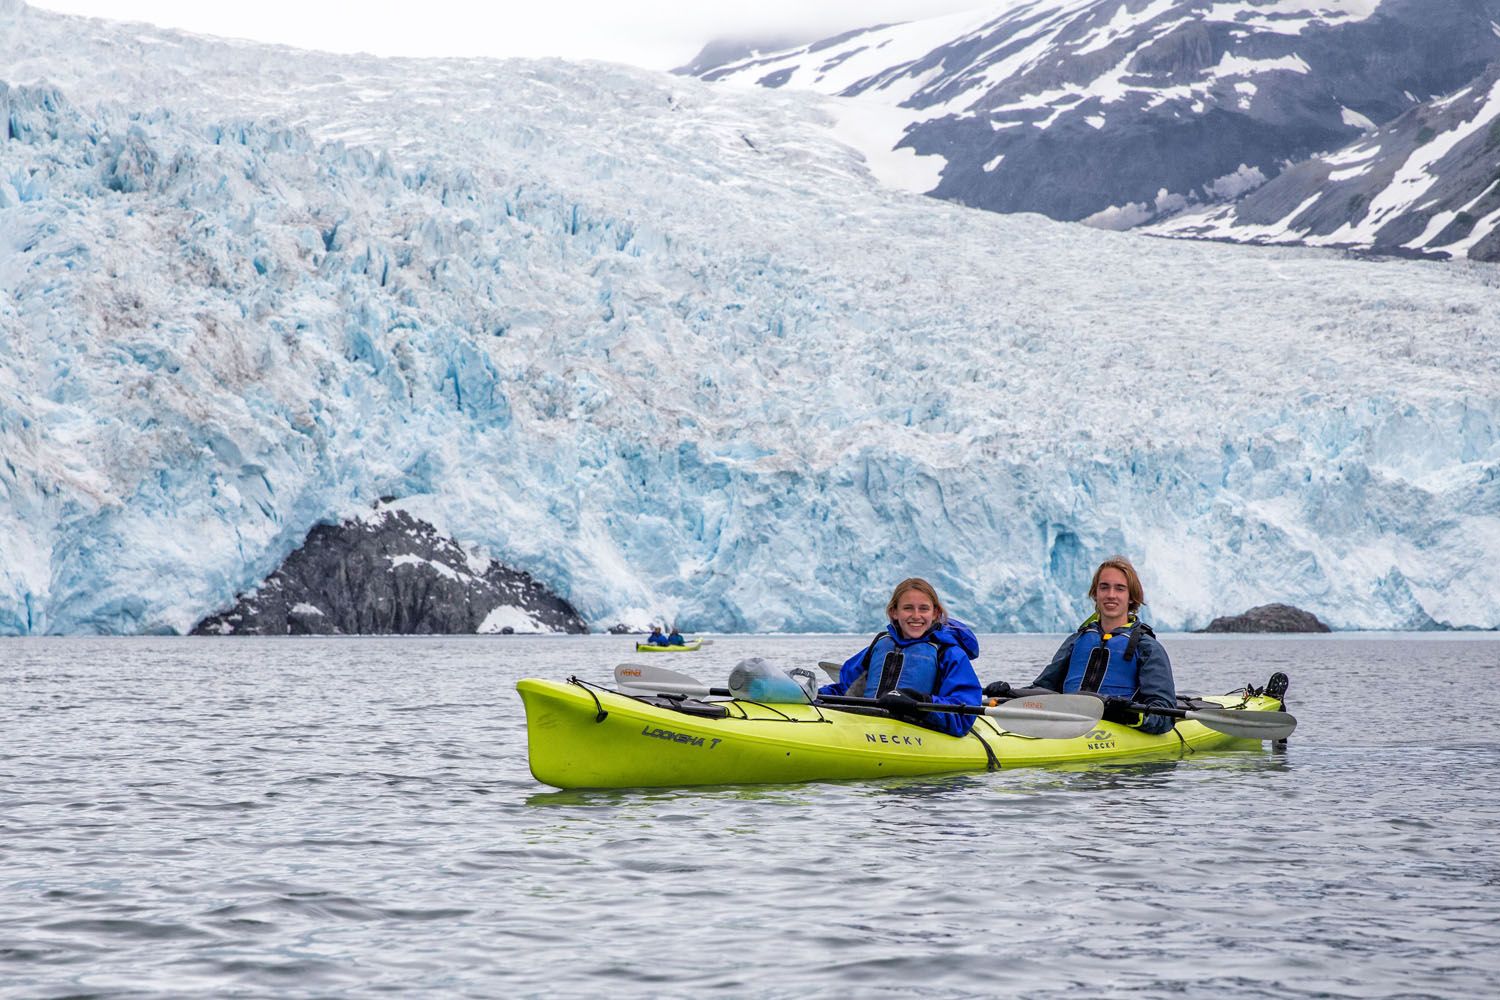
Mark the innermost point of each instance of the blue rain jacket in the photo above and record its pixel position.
(951, 674)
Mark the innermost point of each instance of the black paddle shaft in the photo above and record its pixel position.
(926, 706)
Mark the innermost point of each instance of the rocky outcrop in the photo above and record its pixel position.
(391, 574)
(1268, 618)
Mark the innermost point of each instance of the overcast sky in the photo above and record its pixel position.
(659, 34)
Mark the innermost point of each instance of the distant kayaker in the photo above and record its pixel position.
(923, 656)
(1113, 653)
(656, 639)
(676, 639)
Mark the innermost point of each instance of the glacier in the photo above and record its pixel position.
(674, 351)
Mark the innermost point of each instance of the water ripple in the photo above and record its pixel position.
(322, 819)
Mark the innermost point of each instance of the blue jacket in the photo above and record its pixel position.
(656, 639)
(1152, 680)
(955, 683)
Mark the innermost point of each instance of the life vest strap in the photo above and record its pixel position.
(890, 671)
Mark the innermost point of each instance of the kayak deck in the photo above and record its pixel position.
(583, 736)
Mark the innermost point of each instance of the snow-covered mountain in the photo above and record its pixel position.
(1120, 111)
(1429, 182)
(672, 351)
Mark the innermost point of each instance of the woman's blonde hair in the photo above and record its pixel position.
(1132, 580)
(940, 614)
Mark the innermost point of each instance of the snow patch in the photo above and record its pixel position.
(1234, 65)
(1120, 25)
(1352, 155)
(1290, 17)
(434, 565)
(519, 621)
(1349, 173)
(874, 129)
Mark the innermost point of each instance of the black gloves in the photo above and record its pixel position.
(997, 689)
(902, 703)
(1118, 710)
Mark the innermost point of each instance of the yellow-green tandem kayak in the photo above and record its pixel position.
(581, 735)
(687, 647)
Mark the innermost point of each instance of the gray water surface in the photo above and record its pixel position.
(354, 817)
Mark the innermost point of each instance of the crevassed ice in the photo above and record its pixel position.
(668, 347)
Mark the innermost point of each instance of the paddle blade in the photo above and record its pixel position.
(660, 680)
(645, 674)
(1245, 725)
(1049, 717)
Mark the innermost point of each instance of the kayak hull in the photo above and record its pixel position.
(687, 647)
(582, 736)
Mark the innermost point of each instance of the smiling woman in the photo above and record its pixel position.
(923, 657)
(655, 34)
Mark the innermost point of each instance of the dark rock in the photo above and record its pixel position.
(1268, 618)
(620, 628)
(389, 574)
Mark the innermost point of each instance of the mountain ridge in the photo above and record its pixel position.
(1427, 183)
(1122, 112)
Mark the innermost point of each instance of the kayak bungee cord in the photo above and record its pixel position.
(602, 713)
(656, 698)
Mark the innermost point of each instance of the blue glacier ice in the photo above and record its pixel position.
(676, 353)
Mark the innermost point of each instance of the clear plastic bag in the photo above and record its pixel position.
(756, 679)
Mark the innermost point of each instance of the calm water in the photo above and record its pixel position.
(341, 818)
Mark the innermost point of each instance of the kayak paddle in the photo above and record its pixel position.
(1052, 716)
(1047, 717)
(1230, 721)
